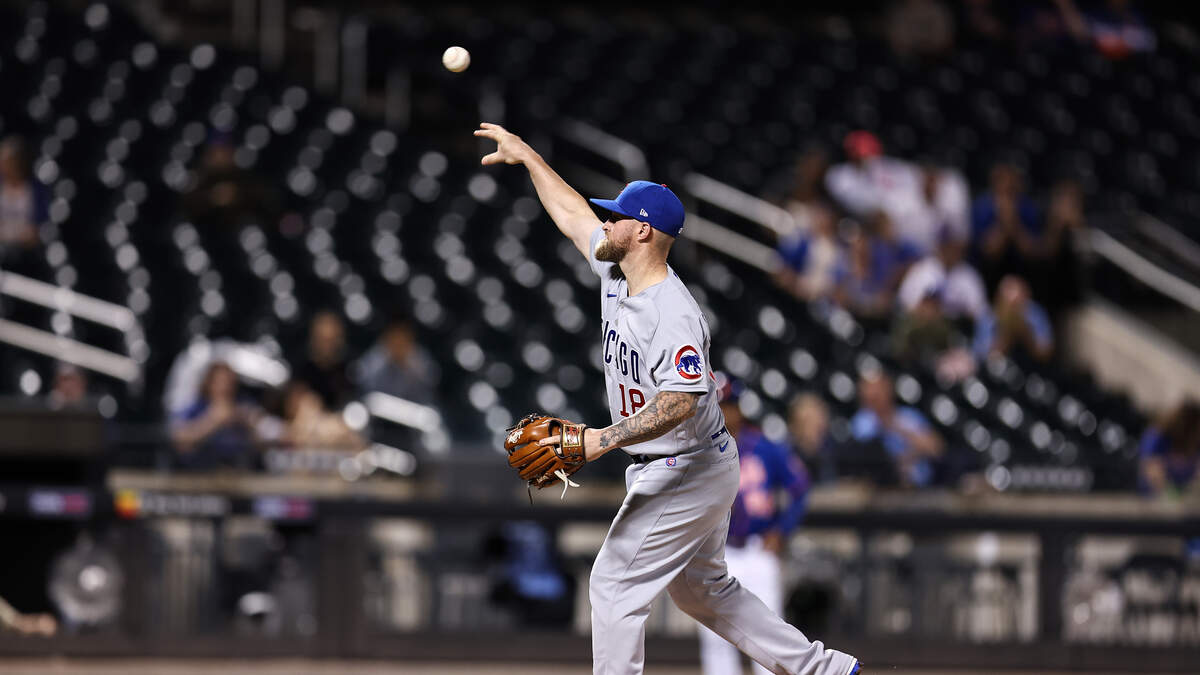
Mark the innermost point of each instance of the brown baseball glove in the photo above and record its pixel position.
(544, 465)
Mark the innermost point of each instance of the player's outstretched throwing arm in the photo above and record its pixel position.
(566, 207)
(664, 412)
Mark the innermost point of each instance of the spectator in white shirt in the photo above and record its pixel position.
(947, 275)
(869, 181)
(948, 202)
(918, 201)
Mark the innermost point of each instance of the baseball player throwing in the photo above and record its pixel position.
(670, 531)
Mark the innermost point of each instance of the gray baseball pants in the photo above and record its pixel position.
(670, 534)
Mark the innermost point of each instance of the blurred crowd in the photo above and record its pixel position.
(931, 28)
(227, 425)
(898, 242)
(955, 278)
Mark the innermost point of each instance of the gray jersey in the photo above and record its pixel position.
(656, 341)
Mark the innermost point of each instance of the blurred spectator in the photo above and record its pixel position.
(890, 254)
(808, 425)
(905, 433)
(809, 260)
(398, 365)
(309, 424)
(950, 277)
(226, 194)
(768, 507)
(1118, 30)
(858, 284)
(1170, 451)
(1005, 226)
(70, 389)
(945, 203)
(24, 204)
(26, 624)
(920, 28)
(528, 576)
(1017, 326)
(1052, 23)
(325, 369)
(218, 429)
(808, 186)
(922, 332)
(1061, 281)
(987, 19)
(870, 182)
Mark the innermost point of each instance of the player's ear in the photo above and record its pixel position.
(645, 232)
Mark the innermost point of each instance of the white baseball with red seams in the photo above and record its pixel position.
(456, 59)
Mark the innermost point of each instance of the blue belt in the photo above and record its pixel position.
(643, 459)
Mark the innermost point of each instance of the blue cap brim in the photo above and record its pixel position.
(610, 204)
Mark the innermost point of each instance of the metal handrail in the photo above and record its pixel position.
(702, 230)
(731, 243)
(1171, 239)
(628, 156)
(746, 205)
(66, 300)
(1145, 271)
(69, 351)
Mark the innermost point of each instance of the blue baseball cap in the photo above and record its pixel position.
(650, 203)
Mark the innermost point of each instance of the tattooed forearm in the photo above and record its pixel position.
(663, 413)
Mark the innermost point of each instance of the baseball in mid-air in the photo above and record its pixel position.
(456, 59)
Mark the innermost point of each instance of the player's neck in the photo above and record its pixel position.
(642, 272)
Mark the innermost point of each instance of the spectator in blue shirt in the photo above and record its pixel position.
(858, 284)
(891, 254)
(904, 432)
(218, 428)
(1016, 326)
(1170, 452)
(768, 507)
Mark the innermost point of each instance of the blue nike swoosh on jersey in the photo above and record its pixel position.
(724, 445)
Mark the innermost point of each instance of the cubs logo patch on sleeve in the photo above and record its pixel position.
(688, 364)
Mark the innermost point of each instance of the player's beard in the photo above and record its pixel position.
(610, 250)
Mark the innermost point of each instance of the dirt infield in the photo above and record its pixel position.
(302, 667)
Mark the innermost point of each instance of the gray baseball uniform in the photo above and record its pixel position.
(670, 531)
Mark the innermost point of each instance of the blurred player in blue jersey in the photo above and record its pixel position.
(769, 505)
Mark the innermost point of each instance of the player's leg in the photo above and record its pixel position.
(717, 655)
(759, 572)
(666, 517)
(705, 590)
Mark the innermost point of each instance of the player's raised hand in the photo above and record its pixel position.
(510, 149)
